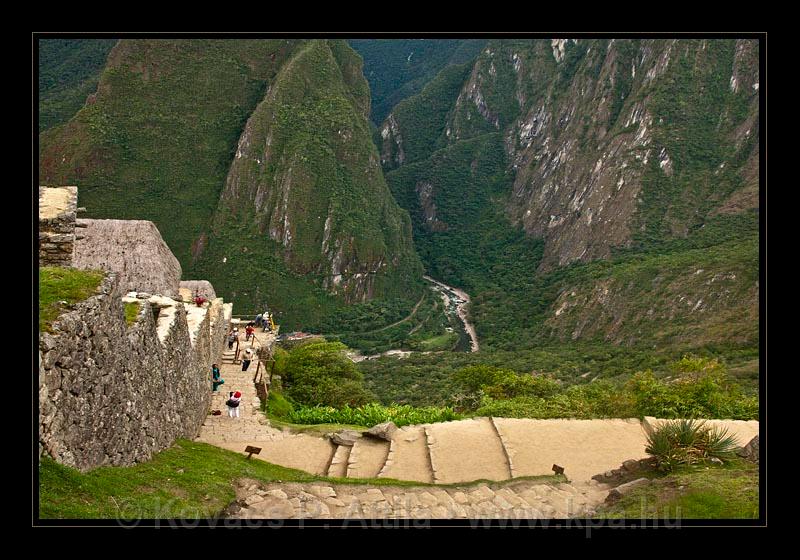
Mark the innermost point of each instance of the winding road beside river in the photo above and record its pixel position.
(460, 309)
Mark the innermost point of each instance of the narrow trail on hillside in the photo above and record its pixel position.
(401, 321)
(462, 299)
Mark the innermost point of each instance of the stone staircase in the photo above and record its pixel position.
(498, 450)
(463, 451)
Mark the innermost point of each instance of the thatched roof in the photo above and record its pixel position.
(132, 248)
(199, 287)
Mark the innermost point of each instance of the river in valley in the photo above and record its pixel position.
(455, 303)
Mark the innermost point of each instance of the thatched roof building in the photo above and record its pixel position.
(192, 288)
(132, 248)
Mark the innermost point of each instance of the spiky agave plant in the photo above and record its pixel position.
(687, 442)
(661, 445)
(717, 442)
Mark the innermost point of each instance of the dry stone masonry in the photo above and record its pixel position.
(522, 499)
(57, 213)
(110, 394)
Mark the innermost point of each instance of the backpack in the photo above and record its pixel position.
(232, 403)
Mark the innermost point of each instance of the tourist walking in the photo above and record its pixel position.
(233, 402)
(248, 357)
(249, 330)
(216, 379)
(232, 337)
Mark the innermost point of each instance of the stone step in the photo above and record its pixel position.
(466, 450)
(583, 447)
(367, 458)
(408, 457)
(297, 451)
(339, 461)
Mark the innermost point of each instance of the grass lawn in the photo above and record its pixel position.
(699, 492)
(189, 480)
(57, 285)
(443, 342)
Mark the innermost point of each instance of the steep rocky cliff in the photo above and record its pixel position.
(608, 147)
(612, 141)
(255, 161)
(307, 178)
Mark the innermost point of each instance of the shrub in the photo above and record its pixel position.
(318, 373)
(500, 383)
(474, 378)
(707, 394)
(371, 414)
(512, 385)
(687, 442)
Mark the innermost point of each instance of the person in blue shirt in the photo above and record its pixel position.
(216, 379)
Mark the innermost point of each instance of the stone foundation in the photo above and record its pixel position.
(58, 208)
(113, 394)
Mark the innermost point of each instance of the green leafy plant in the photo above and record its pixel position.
(318, 373)
(688, 442)
(371, 414)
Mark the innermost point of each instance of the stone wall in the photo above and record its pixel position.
(112, 394)
(58, 208)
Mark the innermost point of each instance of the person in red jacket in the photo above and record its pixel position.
(233, 402)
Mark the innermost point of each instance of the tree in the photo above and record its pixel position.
(318, 373)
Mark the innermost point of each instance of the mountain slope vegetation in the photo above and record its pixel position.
(632, 169)
(69, 70)
(255, 160)
(399, 68)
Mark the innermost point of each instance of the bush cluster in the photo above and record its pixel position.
(701, 389)
(371, 414)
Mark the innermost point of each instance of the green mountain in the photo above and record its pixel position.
(69, 70)
(580, 190)
(630, 166)
(399, 68)
(254, 159)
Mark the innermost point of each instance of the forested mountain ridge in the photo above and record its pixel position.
(69, 70)
(179, 132)
(399, 68)
(607, 153)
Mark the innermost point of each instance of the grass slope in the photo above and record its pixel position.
(69, 70)
(60, 288)
(727, 492)
(157, 141)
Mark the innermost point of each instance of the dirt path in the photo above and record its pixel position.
(401, 321)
